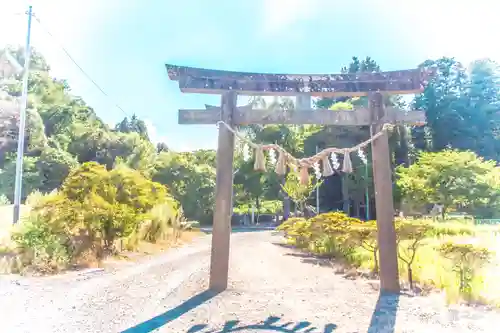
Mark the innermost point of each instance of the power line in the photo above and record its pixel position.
(78, 66)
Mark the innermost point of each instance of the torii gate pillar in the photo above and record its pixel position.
(221, 232)
(382, 179)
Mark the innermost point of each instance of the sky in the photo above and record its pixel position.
(123, 45)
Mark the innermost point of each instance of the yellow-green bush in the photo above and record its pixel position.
(419, 252)
(93, 208)
(164, 219)
(41, 247)
(325, 234)
(466, 259)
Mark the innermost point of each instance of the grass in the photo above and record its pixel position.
(6, 214)
(160, 246)
(430, 269)
(143, 248)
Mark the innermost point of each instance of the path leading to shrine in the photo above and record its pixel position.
(167, 293)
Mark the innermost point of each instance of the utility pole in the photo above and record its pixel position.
(317, 190)
(22, 123)
(367, 194)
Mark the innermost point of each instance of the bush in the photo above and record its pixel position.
(414, 234)
(105, 205)
(466, 259)
(326, 234)
(288, 224)
(40, 247)
(4, 200)
(366, 236)
(35, 198)
(163, 219)
(355, 243)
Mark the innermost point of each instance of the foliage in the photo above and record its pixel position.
(366, 236)
(163, 220)
(191, 183)
(414, 234)
(452, 178)
(54, 165)
(461, 108)
(266, 207)
(133, 125)
(297, 191)
(355, 243)
(289, 224)
(4, 200)
(42, 248)
(31, 178)
(35, 198)
(106, 204)
(466, 259)
(327, 234)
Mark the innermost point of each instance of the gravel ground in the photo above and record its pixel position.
(272, 289)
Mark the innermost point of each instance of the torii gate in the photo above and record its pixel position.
(230, 84)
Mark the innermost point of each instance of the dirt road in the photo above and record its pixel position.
(167, 294)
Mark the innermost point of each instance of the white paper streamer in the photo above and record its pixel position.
(317, 170)
(246, 153)
(272, 157)
(362, 156)
(335, 161)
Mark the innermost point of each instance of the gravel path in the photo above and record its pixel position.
(166, 294)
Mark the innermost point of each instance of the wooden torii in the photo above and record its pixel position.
(230, 84)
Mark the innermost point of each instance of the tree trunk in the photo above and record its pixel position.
(375, 261)
(286, 201)
(410, 277)
(357, 207)
(257, 206)
(345, 194)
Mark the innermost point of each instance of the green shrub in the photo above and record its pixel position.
(190, 225)
(4, 200)
(288, 224)
(326, 234)
(365, 234)
(410, 236)
(265, 207)
(35, 198)
(40, 247)
(355, 243)
(105, 204)
(163, 219)
(466, 259)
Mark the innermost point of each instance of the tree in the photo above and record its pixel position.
(53, 166)
(31, 177)
(191, 184)
(108, 204)
(465, 258)
(452, 178)
(366, 235)
(133, 125)
(410, 236)
(297, 191)
(461, 108)
(162, 147)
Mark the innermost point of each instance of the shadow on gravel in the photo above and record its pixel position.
(236, 230)
(286, 246)
(158, 321)
(271, 324)
(384, 314)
